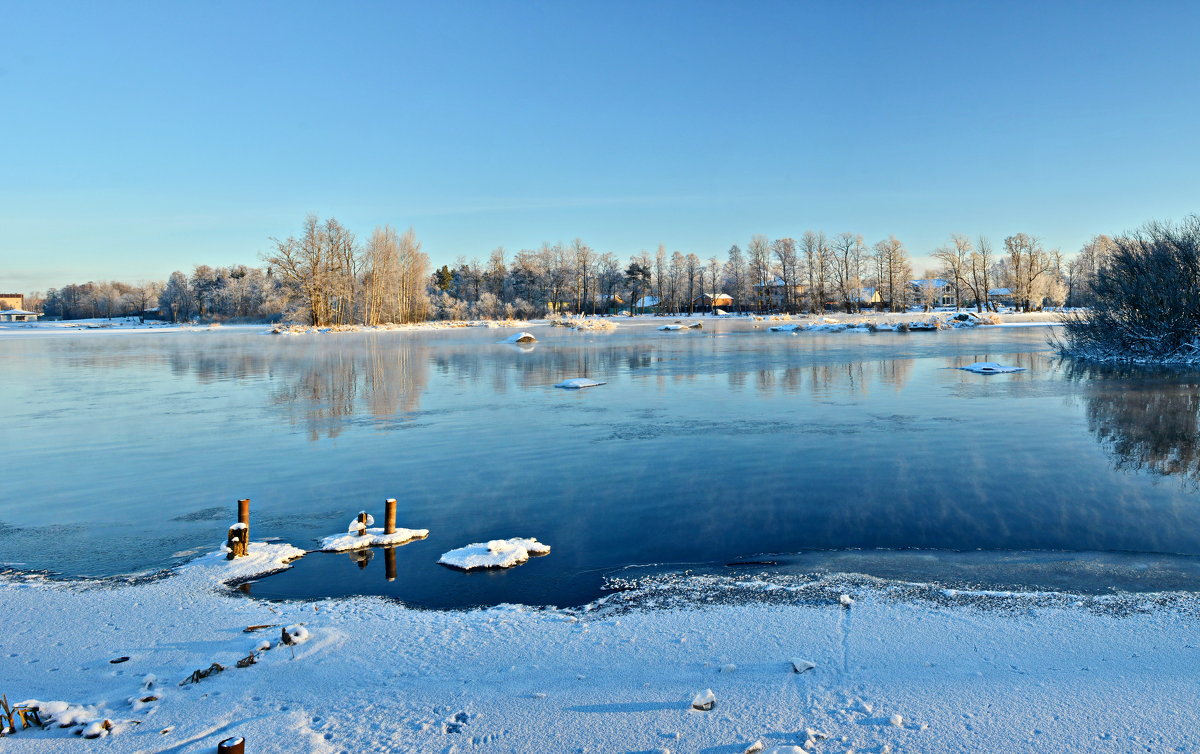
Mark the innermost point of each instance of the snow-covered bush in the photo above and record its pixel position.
(1146, 305)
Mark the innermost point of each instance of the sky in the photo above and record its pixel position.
(139, 138)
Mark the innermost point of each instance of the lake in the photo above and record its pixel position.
(125, 453)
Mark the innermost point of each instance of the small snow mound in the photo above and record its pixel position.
(897, 720)
(521, 337)
(294, 634)
(578, 383)
(800, 665)
(496, 553)
(990, 367)
(705, 700)
(846, 600)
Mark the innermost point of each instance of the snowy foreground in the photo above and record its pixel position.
(896, 669)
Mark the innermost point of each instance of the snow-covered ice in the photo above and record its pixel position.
(967, 672)
(371, 537)
(990, 367)
(496, 553)
(579, 383)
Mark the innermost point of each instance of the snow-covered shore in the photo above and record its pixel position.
(915, 669)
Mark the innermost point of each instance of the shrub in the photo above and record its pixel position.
(1146, 300)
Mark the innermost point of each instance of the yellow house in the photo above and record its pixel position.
(12, 300)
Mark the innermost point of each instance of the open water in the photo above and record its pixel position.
(868, 453)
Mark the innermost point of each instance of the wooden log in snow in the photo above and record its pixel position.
(389, 516)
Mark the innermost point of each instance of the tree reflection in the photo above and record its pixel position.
(1146, 419)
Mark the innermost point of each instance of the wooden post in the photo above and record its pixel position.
(235, 745)
(237, 541)
(362, 521)
(389, 562)
(389, 516)
(244, 516)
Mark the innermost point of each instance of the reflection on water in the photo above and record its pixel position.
(704, 447)
(1147, 419)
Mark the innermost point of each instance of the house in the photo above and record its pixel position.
(17, 315)
(777, 294)
(1000, 296)
(12, 300)
(646, 304)
(706, 302)
(933, 291)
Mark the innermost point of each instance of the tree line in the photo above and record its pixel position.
(326, 275)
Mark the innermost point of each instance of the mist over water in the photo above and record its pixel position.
(125, 453)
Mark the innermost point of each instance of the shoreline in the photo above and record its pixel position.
(964, 670)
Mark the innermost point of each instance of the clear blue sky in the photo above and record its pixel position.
(144, 137)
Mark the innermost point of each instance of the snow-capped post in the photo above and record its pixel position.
(389, 562)
(389, 516)
(362, 523)
(238, 538)
(235, 745)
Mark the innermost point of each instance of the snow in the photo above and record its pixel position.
(800, 665)
(497, 553)
(705, 700)
(371, 538)
(521, 337)
(968, 672)
(578, 383)
(671, 327)
(990, 367)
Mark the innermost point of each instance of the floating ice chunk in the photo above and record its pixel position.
(786, 328)
(705, 700)
(800, 665)
(578, 383)
(671, 327)
(521, 337)
(497, 553)
(990, 367)
(370, 538)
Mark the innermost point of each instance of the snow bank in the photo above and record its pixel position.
(578, 383)
(990, 367)
(962, 672)
(497, 553)
(351, 540)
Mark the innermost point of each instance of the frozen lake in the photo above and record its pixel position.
(125, 453)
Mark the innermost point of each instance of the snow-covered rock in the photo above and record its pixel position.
(521, 337)
(800, 665)
(579, 383)
(497, 553)
(671, 327)
(705, 700)
(351, 540)
(846, 600)
(990, 367)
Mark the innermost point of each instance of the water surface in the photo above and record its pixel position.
(125, 453)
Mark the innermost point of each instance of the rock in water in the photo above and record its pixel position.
(705, 700)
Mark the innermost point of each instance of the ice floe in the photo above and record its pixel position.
(521, 337)
(990, 367)
(579, 383)
(497, 553)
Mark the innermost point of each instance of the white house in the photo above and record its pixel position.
(17, 315)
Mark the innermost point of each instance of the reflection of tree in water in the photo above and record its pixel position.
(1146, 419)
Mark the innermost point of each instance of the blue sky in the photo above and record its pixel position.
(143, 137)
